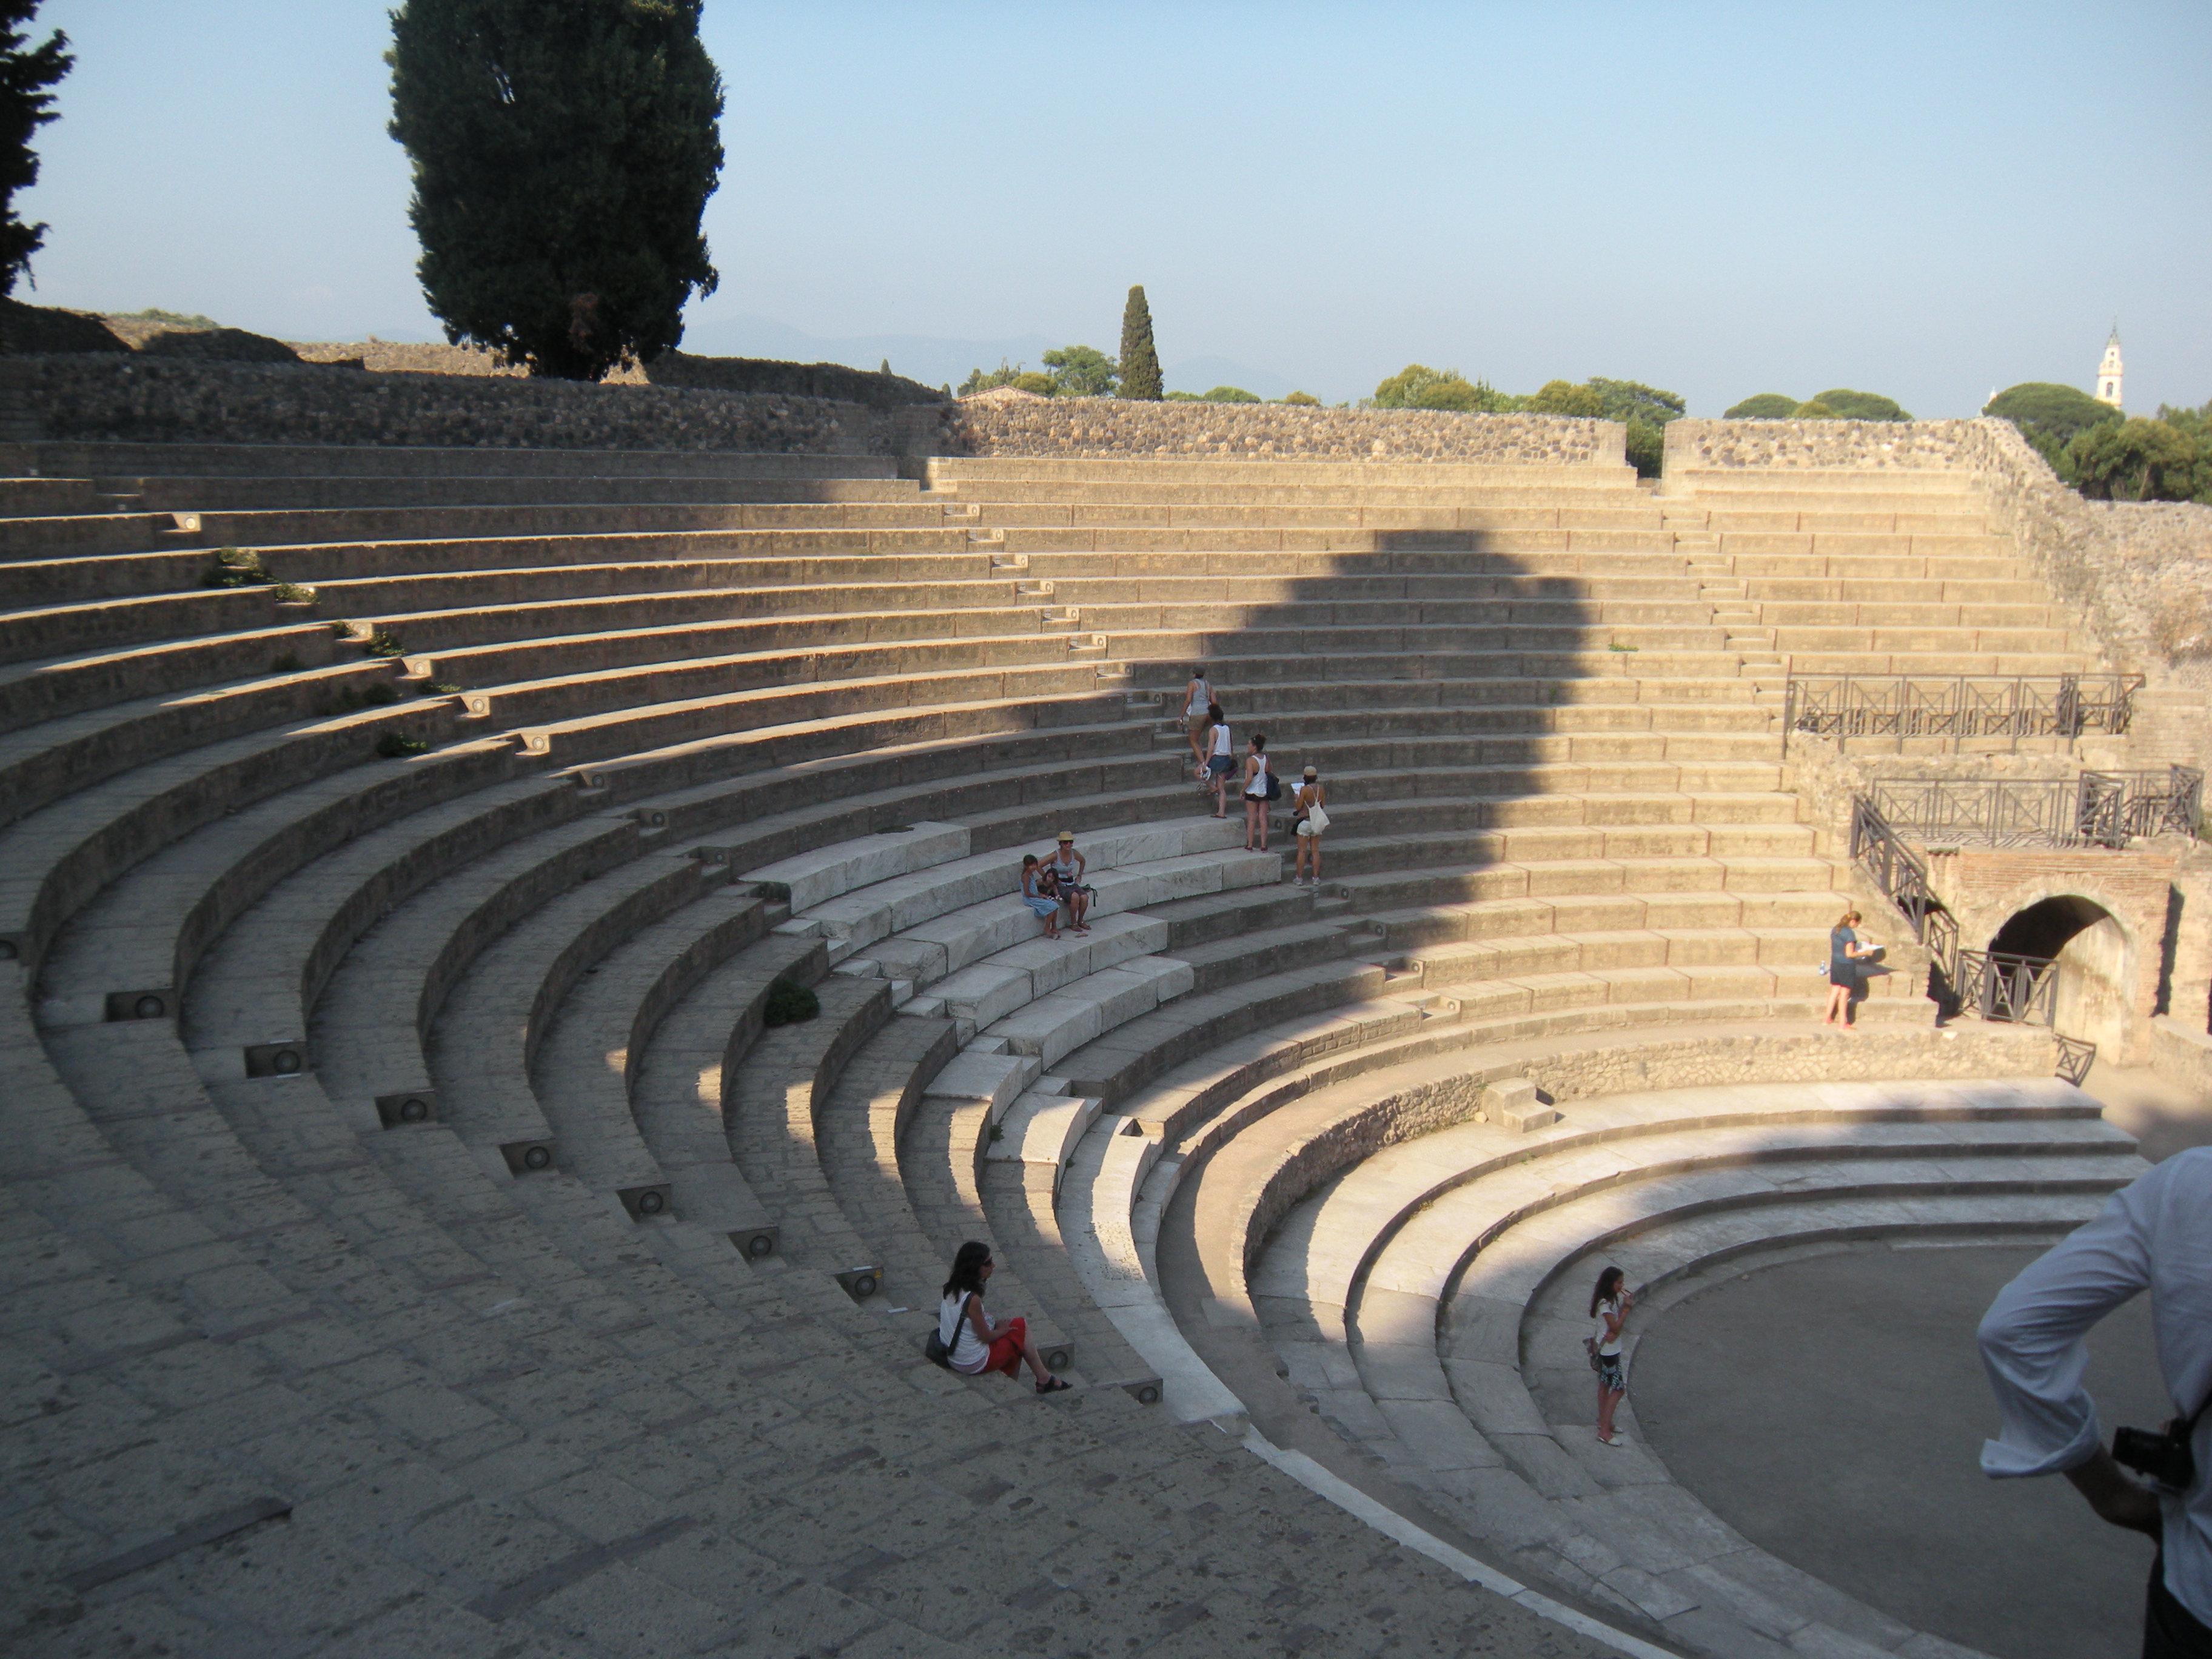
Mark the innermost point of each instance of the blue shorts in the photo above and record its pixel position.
(1222, 765)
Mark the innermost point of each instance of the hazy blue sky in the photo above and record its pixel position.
(1928, 200)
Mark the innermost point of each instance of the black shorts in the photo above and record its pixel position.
(2170, 1630)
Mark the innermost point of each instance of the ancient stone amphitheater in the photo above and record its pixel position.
(418, 1242)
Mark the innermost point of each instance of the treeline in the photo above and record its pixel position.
(1837, 404)
(1645, 410)
(2109, 455)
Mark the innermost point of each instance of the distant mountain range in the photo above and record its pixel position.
(935, 361)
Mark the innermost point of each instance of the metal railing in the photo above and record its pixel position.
(2096, 809)
(1848, 706)
(1896, 869)
(1997, 986)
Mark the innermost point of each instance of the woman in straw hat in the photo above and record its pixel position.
(1067, 867)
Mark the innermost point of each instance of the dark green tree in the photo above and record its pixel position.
(2050, 416)
(2136, 460)
(564, 152)
(1766, 406)
(1418, 386)
(1140, 359)
(1230, 394)
(1080, 371)
(989, 380)
(1861, 405)
(1646, 410)
(27, 103)
(1564, 398)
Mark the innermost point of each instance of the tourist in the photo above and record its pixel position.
(1844, 950)
(1220, 763)
(1066, 866)
(1198, 717)
(2155, 1234)
(1036, 891)
(1609, 1305)
(1309, 816)
(976, 1345)
(1259, 783)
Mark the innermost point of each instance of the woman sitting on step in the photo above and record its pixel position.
(978, 1345)
(1041, 893)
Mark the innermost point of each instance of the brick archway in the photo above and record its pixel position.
(2104, 913)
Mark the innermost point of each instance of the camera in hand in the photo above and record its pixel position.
(2162, 1456)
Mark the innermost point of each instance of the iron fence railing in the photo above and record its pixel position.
(1899, 873)
(1997, 986)
(2096, 809)
(2013, 707)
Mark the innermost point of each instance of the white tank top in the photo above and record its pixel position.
(1257, 789)
(1221, 739)
(957, 1332)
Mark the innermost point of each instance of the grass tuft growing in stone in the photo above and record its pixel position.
(789, 1004)
(235, 567)
(397, 745)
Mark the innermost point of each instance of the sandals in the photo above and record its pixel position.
(1054, 1385)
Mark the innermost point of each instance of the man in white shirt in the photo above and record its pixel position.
(2155, 1234)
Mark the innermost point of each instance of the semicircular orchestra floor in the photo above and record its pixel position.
(1829, 1404)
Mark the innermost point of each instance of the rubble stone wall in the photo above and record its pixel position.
(1108, 428)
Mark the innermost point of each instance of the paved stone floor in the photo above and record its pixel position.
(1830, 1406)
(2160, 1114)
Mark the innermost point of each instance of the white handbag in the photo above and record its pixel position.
(1317, 817)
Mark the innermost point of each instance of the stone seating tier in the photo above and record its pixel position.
(565, 936)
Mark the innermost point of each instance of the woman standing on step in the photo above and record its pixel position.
(1257, 784)
(1609, 1305)
(1309, 816)
(1844, 952)
(1220, 763)
(1037, 893)
(1198, 717)
(977, 1345)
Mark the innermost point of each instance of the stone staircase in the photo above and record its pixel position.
(401, 1147)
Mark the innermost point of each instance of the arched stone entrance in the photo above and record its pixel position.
(2096, 966)
(2108, 918)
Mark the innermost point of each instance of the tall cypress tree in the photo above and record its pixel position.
(26, 104)
(1140, 363)
(564, 152)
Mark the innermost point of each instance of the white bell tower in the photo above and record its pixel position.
(2108, 371)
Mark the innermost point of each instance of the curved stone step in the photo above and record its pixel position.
(55, 859)
(584, 1070)
(372, 839)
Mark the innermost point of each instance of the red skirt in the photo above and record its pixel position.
(1005, 1354)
